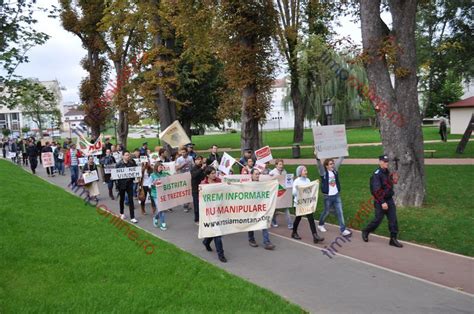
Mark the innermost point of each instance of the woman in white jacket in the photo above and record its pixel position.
(302, 179)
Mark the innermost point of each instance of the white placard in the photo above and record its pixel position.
(143, 159)
(47, 159)
(263, 155)
(126, 173)
(108, 168)
(13, 155)
(90, 176)
(330, 141)
(289, 181)
(169, 167)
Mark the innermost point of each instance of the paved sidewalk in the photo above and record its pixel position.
(367, 161)
(298, 270)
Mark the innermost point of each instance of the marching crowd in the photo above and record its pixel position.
(203, 171)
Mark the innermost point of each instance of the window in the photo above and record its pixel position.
(3, 121)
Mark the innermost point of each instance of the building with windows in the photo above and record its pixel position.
(72, 119)
(15, 120)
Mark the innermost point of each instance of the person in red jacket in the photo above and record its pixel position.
(72, 161)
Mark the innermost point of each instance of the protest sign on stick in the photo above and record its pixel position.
(239, 207)
(175, 135)
(169, 167)
(174, 190)
(284, 197)
(307, 198)
(263, 155)
(330, 141)
(226, 164)
(126, 173)
(47, 159)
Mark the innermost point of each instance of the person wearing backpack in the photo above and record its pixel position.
(381, 188)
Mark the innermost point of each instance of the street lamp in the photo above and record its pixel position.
(328, 110)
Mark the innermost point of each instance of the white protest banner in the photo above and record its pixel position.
(90, 177)
(154, 157)
(307, 198)
(289, 181)
(236, 178)
(89, 148)
(117, 156)
(13, 154)
(169, 167)
(174, 135)
(143, 159)
(82, 161)
(108, 168)
(330, 141)
(284, 197)
(226, 164)
(239, 207)
(263, 155)
(260, 167)
(174, 190)
(126, 173)
(47, 159)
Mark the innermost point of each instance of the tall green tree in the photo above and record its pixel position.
(393, 50)
(445, 41)
(18, 36)
(247, 28)
(82, 18)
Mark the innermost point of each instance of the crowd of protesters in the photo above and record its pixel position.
(28, 153)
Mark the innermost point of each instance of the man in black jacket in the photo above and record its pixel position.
(381, 187)
(197, 175)
(32, 153)
(213, 156)
(126, 186)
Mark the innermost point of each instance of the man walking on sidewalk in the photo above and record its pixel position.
(381, 187)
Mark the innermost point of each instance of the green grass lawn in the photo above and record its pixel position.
(284, 138)
(443, 150)
(59, 255)
(445, 221)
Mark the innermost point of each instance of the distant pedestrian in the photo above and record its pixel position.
(108, 161)
(184, 164)
(213, 156)
(48, 149)
(302, 179)
(443, 130)
(381, 187)
(92, 187)
(191, 151)
(71, 161)
(197, 175)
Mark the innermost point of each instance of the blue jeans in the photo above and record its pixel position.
(74, 175)
(266, 236)
(217, 242)
(60, 167)
(159, 215)
(333, 201)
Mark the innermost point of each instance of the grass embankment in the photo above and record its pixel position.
(58, 255)
(444, 222)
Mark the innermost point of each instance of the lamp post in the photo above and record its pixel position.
(328, 110)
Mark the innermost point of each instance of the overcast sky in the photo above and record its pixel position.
(60, 56)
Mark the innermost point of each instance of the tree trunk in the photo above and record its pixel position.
(465, 138)
(186, 124)
(249, 138)
(121, 99)
(122, 128)
(298, 108)
(402, 136)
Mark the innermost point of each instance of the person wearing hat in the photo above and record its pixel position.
(191, 151)
(243, 161)
(381, 188)
(143, 150)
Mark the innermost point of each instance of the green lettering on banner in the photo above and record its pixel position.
(212, 197)
(174, 185)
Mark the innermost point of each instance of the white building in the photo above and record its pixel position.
(15, 120)
(460, 114)
(72, 119)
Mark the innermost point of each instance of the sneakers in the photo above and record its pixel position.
(269, 247)
(163, 226)
(252, 243)
(274, 225)
(155, 222)
(346, 233)
(290, 226)
(134, 220)
(122, 217)
(186, 210)
(321, 228)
